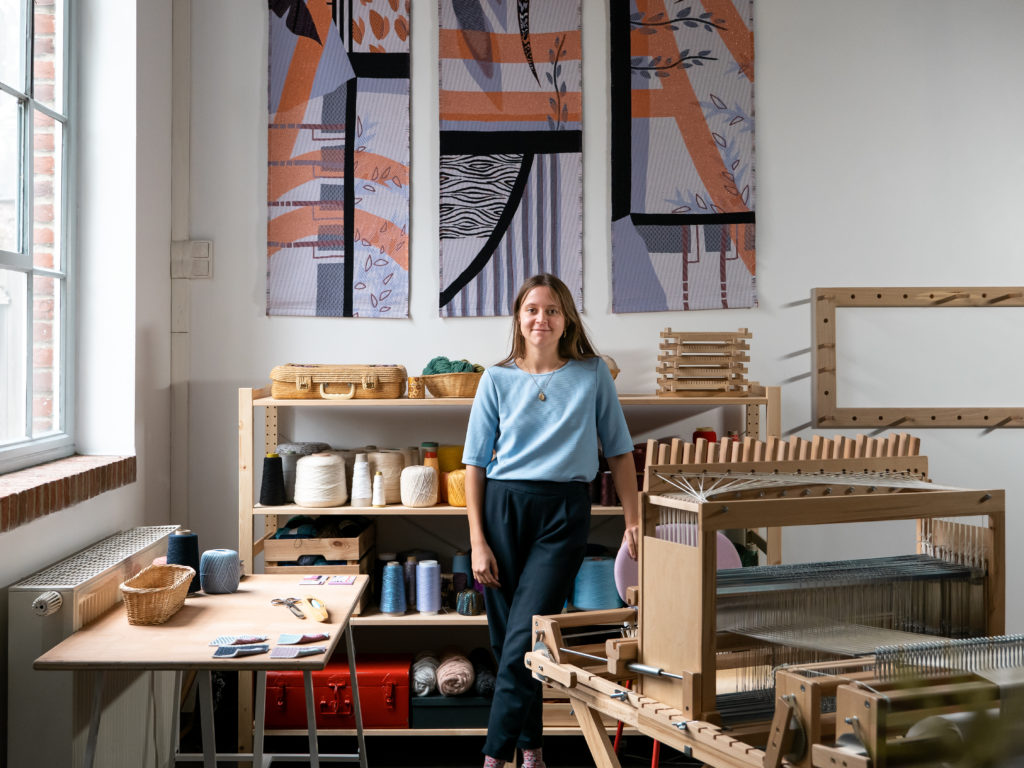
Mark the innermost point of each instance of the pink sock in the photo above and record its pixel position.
(493, 762)
(533, 758)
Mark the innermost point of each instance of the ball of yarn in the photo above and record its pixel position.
(484, 669)
(419, 486)
(454, 674)
(320, 481)
(441, 364)
(219, 571)
(457, 487)
(424, 673)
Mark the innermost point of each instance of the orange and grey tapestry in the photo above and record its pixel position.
(338, 157)
(511, 150)
(682, 154)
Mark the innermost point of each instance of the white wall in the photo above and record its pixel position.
(888, 154)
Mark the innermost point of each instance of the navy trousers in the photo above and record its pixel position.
(538, 534)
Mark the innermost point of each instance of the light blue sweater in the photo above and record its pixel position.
(554, 439)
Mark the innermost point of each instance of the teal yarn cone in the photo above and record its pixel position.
(392, 598)
(595, 585)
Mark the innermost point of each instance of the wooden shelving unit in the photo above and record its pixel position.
(251, 545)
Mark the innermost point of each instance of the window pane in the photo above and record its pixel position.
(13, 295)
(48, 53)
(10, 175)
(45, 355)
(46, 186)
(12, 23)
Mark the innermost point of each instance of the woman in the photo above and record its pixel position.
(531, 451)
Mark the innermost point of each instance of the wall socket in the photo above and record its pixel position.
(192, 259)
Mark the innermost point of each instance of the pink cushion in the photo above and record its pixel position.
(627, 572)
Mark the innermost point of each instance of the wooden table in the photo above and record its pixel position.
(182, 643)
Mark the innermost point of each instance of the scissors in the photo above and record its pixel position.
(292, 603)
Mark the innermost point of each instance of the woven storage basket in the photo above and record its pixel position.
(156, 593)
(452, 384)
(337, 382)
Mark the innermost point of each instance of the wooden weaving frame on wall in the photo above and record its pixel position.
(825, 302)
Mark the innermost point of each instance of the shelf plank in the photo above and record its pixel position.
(440, 402)
(374, 618)
(391, 510)
(561, 730)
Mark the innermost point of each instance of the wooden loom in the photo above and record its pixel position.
(678, 637)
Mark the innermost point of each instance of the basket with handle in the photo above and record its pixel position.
(452, 384)
(156, 593)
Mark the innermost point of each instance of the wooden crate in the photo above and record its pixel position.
(362, 565)
(703, 363)
(353, 549)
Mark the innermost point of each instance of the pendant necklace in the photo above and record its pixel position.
(540, 389)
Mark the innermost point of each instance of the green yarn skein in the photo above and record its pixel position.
(442, 364)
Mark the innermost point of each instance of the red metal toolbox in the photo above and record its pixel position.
(383, 694)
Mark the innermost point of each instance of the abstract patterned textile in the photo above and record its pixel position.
(511, 141)
(338, 157)
(682, 154)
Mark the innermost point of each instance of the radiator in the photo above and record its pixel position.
(48, 712)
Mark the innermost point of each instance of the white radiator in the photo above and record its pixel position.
(48, 712)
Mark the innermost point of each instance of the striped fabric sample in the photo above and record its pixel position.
(682, 155)
(338, 157)
(511, 142)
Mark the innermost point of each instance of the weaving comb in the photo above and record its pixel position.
(238, 640)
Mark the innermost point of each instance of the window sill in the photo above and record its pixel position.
(32, 493)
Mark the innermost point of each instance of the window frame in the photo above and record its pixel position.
(60, 443)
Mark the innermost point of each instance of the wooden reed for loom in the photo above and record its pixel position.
(705, 364)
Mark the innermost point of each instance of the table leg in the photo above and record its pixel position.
(206, 705)
(261, 714)
(94, 719)
(314, 756)
(350, 649)
(175, 713)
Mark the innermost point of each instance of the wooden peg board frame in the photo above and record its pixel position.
(825, 302)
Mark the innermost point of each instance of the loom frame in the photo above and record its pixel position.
(681, 713)
(824, 352)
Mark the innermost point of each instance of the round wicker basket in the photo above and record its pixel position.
(156, 593)
(452, 384)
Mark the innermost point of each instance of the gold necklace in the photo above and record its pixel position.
(540, 389)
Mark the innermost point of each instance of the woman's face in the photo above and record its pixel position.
(540, 318)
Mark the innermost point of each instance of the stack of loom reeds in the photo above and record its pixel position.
(704, 364)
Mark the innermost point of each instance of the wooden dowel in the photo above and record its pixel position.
(687, 453)
(700, 450)
(652, 453)
(676, 451)
(662, 453)
(860, 447)
(748, 449)
(737, 452)
(759, 448)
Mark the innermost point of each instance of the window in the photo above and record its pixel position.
(35, 364)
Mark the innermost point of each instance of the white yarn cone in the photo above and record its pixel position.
(362, 491)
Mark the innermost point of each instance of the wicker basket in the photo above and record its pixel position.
(452, 384)
(156, 593)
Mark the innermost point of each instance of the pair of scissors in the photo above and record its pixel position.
(292, 603)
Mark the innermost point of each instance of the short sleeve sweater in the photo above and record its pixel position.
(554, 439)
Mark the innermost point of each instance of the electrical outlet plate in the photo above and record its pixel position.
(192, 259)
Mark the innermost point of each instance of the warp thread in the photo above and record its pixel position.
(419, 486)
(320, 481)
(219, 571)
(272, 489)
(383, 558)
(290, 454)
(379, 499)
(362, 491)
(390, 464)
(484, 669)
(409, 571)
(183, 549)
(456, 484)
(424, 673)
(392, 599)
(428, 586)
(454, 674)
(595, 585)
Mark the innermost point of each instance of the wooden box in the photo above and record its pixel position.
(332, 549)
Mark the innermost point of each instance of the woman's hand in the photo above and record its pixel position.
(632, 539)
(485, 567)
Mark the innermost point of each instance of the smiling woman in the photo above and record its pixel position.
(531, 451)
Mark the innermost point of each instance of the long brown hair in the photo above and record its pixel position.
(573, 344)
